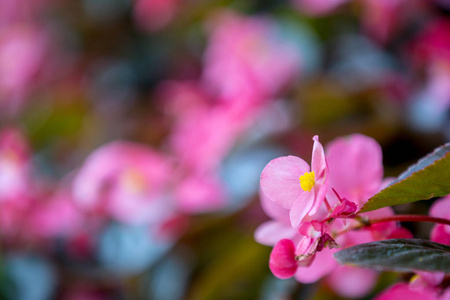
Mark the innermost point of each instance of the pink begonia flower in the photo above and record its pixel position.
(17, 75)
(272, 231)
(356, 167)
(313, 243)
(58, 217)
(126, 181)
(181, 98)
(14, 165)
(344, 208)
(318, 7)
(440, 232)
(154, 15)
(282, 261)
(401, 291)
(423, 280)
(431, 50)
(352, 282)
(240, 51)
(202, 139)
(322, 265)
(289, 182)
(199, 193)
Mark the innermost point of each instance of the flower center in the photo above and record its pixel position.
(307, 181)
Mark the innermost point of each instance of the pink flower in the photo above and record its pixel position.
(241, 50)
(355, 167)
(402, 291)
(272, 231)
(58, 217)
(289, 182)
(352, 282)
(282, 261)
(126, 181)
(199, 193)
(440, 232)
(14, 165)
(18, 75)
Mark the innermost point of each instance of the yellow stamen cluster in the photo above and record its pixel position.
(307, 181)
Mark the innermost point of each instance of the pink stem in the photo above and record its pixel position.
(327, 204)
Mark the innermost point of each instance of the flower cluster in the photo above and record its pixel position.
(313, 211)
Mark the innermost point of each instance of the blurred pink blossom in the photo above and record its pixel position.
(57, 217)
(14, 165)
(356, 167)
(440, 232)
(17, 75)
(381, 18)
(199, 194)
(240, 52)
(127, 181)
(402, 291)
(431, 50)
(153, 15)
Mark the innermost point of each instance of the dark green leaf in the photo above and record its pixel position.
(428, 178)
(398, 255)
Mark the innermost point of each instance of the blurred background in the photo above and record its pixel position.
(133, 133)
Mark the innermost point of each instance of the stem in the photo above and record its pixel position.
(364, 222)
(327, 204)
(409, 218)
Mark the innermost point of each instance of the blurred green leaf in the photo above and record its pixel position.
(428, 178)
(235, 272)
(398, 255)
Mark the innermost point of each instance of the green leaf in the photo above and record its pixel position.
(398, 255)
(428, 178)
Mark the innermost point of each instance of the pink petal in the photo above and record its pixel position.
(301, 207)
(323, 264)
(280, 179)
(441, 208)
(400, 233)
(318, 161)
(426, 279)
(402, 291)
(274, 210)
(282, 261)
(352, 282)
(355, 167)
(270, 232)
(440, 235)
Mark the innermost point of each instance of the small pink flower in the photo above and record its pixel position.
(440, 232)
(14, 165)
(402, 291)
(289, 182)
(200, 193)
(356, 167)
(282, 261)
(240, 51)
(272, 231)
(126, 181)
(344, 209)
